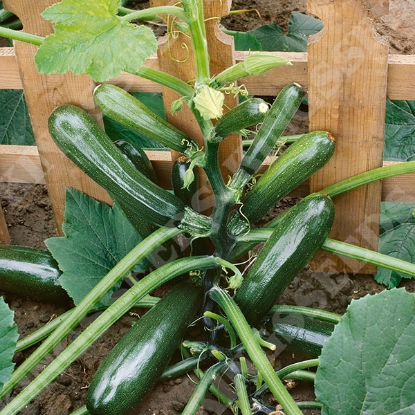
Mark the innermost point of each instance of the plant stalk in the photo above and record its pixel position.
(22, 36)
(255, 352)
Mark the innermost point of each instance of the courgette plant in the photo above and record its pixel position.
(203, 251)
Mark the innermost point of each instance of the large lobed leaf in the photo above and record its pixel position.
(96, 238)
(15, 126)
(368, 364)
(397, 239)
(400, 131)
(89, 38)
(8, 339)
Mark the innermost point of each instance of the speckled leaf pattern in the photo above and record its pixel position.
(96, 238)
(8, 339)
(397, 239)
(368, 364)
(89, 38)
(15, 126)
(400, 131)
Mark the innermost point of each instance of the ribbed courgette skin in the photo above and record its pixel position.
(130, 112)
(289, 249)
(132, 368)
(31, 273)
(138, 157)
(80, 137)
(248, 113)
(302, 159)
(276, 120)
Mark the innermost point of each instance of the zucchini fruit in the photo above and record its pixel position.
(32, 273)
(130, 112)
(138, 157)
(300, 333)
(302, 159)
(277, 118)
(248, 113)
(83, 141)
(291, 246)
(133, 367)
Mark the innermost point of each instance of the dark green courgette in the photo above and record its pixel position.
(302, 159)
(133, 367)
(138, 157)
(289, 249)
(31, 273)
(80, 137)
(300, 333)
(130, 112)
(276, 120)
(188, 195)
(248, 113)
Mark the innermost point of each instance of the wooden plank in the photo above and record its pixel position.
(347, 96)
(401, 82)
(44, 93)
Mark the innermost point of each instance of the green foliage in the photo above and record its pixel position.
(397, 239)
(15, 126)
(400, 131)
(96, 238)
(90, 38)
(272, 38)
(8, 339)
(368, 364)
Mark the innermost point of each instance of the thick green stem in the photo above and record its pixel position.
(306, 311)
(305, 364)
(104, 321)
(345, 249)
(242, 393)
(193, 10)
(22, 36)
(368, 177)
(255, 352)
(123, 267)
(150, 13)
(202, 388)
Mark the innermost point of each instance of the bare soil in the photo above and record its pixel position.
(30, 220)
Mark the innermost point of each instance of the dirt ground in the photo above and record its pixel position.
(30, 220)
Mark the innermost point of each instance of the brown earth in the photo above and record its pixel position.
(30, 220)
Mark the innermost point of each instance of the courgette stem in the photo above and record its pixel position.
(44, 331)
(301, 375)
(255, 352)
(22, 36)
(345, 249)
(369, 177)
(138, 253)
(307, 311)
(105, 320)
(226, 324)
(287, 370)
(202, 388)
(242, 394)
(285, 139)
(148, 14)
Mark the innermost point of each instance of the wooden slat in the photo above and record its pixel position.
(21, 164)
(401, 82)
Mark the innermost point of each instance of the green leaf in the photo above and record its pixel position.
(8, 340)
(397, 239)
(15, 126)
(96, 238)
(272, 37)
(246, 41)
(89, 38)
(400, 131)
(154, 101)
(368, 364)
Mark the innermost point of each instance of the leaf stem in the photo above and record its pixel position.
(368, 177)
(306, 311)
(22, 36)
(255, 352)
(91, 299)
(103, 322)
(148, 14)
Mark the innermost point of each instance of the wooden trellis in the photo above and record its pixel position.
(347, 72)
